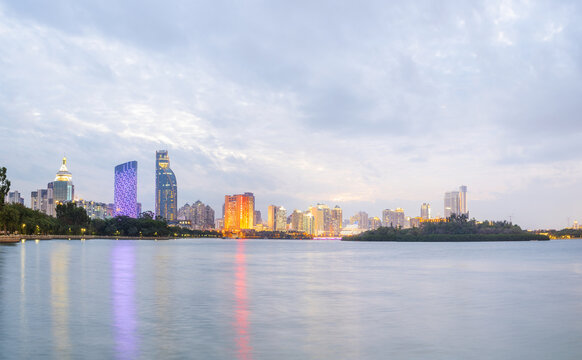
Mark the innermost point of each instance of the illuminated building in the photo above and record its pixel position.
(166, 188)
(374, 223)
(394, 218)
(239, 211)
(308, 223)
(95, 210)
(322, 219)
(125, 189)
(281, 222)
(456, 202)
(425, 211)
(360, 218)
(336, 220)
(200, 216)
(277, 218)
(297, 220)
(271, 217)
(57, 192)
(63, 188)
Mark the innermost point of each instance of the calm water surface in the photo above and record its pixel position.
(276, 299)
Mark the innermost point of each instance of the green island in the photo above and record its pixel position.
(456, 228)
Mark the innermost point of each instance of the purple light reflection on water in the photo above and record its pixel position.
(123, 293)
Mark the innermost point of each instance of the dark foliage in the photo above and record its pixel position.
(457, 228)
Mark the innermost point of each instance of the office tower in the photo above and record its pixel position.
(281, 219)
(297, 220)
(277, 218)
(308, 223)
(336, 220)
(394, 218)
(57, 192)
(361, 219)
(271, 217)
(463, 200)
(201, 216)
(166, 188)
(239, 211)
(14, 197)
(63, 188)
(125, 189)
(425, 211)
(322, 219)
(456, 202)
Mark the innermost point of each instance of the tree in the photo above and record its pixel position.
(72, 218)
(4, 186)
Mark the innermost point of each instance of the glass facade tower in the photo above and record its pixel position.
(166, 188)
(125, 189)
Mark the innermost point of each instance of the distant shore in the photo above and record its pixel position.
(18, 238)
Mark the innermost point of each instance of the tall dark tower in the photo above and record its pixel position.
(166, 188)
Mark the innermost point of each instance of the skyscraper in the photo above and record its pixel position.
(60, 190)
(239, 211)
(456, 202)
(425, 211)
(277, 218)
(166, 188)
(336, 220)
(394, 218)
(125, 189)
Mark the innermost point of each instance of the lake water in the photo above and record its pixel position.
(279, 299)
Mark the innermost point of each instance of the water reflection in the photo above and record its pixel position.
(242, 326)
(123, 289)
(60, 300)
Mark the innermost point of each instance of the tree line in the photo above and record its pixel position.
(456, 228)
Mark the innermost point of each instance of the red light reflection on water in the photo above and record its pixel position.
(242, 326)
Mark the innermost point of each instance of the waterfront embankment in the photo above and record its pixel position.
(18, 238)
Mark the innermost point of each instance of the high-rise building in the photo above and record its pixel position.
(239, 211)
(336, 220)
(360, 218)
(322, 219)
(277, 218)
(456, 202)
(57, 192)
(297, 220)
(95, 210)
(271, 217)
(425, 211)
(63, 188)
(374, 223)
(166, 188)
(125, 189)
(394, 218)
(200, 216)
(39, 200)
(14, 197)
(308, 223)
(281, 222)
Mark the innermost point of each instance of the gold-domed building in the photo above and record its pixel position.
(62, 189)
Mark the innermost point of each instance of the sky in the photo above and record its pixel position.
(368, 105)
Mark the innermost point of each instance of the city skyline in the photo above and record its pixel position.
(385, 106)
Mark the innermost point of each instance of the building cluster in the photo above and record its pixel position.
(238, 212)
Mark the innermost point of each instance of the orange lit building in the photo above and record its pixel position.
(239, 211)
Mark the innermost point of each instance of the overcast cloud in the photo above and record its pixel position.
(368, 105)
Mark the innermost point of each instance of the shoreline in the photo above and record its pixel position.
(19, 238)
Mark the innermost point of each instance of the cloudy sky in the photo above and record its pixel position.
(368, 105)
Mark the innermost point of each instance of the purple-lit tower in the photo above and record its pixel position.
(125, 192)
